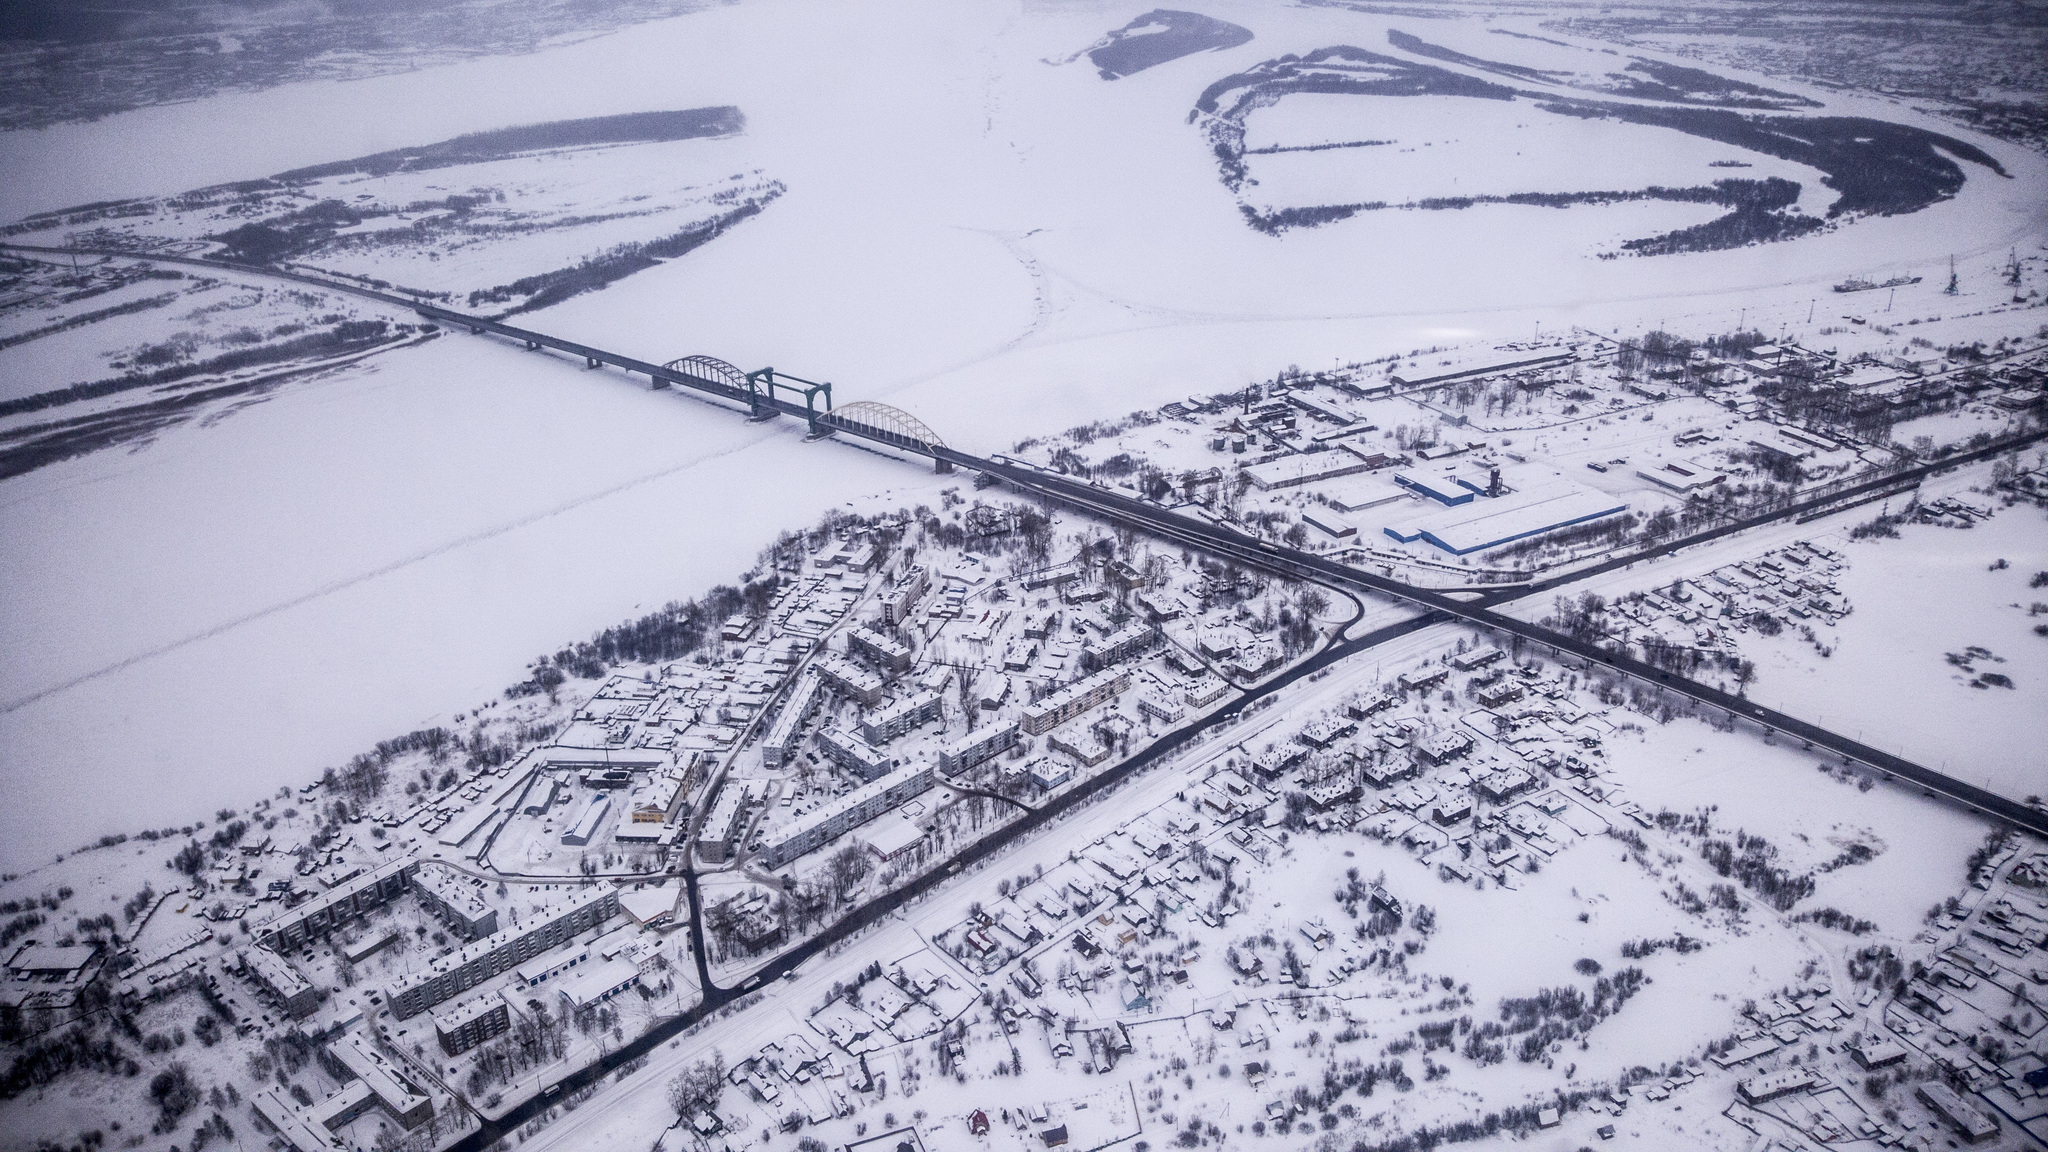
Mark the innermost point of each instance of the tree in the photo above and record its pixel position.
(847, 867)
(174, 1094)
(699, 1085)
(257, 243)
(1745, 672)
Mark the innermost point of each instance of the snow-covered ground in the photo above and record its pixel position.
(1456, 146)
(1000, 245)
(1915, 599)
(1933, 592)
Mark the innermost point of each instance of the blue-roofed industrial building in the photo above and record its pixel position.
(1464, 519)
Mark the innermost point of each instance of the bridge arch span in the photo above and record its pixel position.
(887, 423)
(713, 370)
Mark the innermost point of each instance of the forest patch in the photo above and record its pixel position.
(1160, 36)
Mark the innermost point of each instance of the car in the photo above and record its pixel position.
(1596, 466)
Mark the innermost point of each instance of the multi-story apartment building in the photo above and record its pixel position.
(815, 829)
(461, 970)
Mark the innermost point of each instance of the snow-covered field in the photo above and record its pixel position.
(1933, 592)
(1888, 682)
(1452, 146)
(1000, 245)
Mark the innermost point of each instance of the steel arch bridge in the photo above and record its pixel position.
(720, 376)
(887, 424)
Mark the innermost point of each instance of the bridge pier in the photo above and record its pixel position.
(533, 345)
(593, 362)
(941, 465)
(475, 331)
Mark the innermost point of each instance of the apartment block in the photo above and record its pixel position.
(459, 971)
(821, 826)
(1074, 699)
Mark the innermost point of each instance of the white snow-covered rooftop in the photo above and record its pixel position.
(1488, 523)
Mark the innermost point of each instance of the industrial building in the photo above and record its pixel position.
(594, 986)
(1682, 476)
(455, 899)
(976, 747)
(1305, 468)
(626, 760)
(904, 716)
(338, 905)
(1061, 706)
(1472, 522)
(853, 753)
(464, 969)
(539, 794)
(824, 824)
(1329, 525)
(780, 742)
(586, 825)
(471, 1023)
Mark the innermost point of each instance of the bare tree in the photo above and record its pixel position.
(698, 1086)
